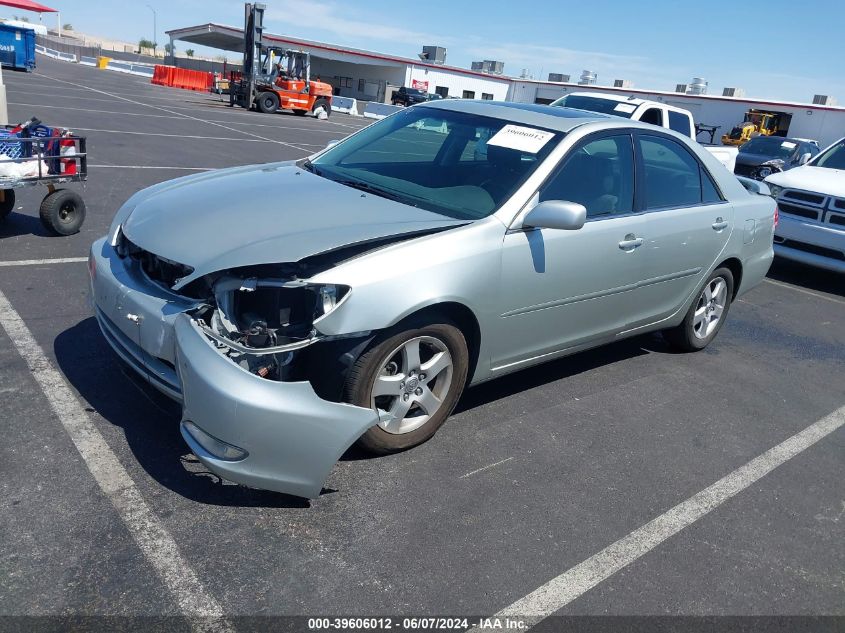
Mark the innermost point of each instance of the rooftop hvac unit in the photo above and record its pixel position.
(494, 67)
(433, 54)
(588, 78)
(733, 92)
(825, 100)
(558, 78)
(623, 83)
(682, 88)
(698, 86)
(479, 66)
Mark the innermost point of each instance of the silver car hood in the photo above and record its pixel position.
(265, 214)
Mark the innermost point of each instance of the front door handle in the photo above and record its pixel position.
(719, 224)
(630, 242)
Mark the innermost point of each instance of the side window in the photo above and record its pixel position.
(709, 193)
(599, 175)
(672, 175)
(653, 116)
(680, 123)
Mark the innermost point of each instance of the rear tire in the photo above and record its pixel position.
(706, 315)
(391, 376)
(62, 212)
(8, 203)
(268, 102)
(324, 103)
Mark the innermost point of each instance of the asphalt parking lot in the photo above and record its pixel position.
(535, 472)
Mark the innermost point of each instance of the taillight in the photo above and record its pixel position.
(777, 216)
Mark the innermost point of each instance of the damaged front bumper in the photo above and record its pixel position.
(291, 437)
(268, 434)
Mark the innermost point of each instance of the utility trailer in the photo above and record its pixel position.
(48, 161)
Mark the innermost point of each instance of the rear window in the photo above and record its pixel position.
(597, 104)
(680, 123)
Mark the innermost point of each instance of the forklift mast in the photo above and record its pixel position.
(253, 39)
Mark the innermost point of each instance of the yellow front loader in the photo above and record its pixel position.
(758, 123)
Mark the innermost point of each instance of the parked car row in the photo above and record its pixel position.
(455, 242)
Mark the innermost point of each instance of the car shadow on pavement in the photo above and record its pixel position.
(150, 422)
(560, 369)
(809, 277)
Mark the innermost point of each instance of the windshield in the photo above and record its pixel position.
(460, 165)
(773, 147)
(597, 104)
(833, 157)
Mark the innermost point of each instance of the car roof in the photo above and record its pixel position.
(550, 117)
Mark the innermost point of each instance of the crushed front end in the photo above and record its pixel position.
(260, 386)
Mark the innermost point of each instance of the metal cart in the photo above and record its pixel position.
(59, 159)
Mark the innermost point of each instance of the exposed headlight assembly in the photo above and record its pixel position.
(271, 313)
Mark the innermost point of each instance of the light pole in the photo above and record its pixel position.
(155, 29)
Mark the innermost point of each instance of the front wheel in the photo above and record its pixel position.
(268, 102)
(706, 314)
(7, 204)
(414, 378)
(62, 212)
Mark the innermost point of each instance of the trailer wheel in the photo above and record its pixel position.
(268, 102)
(322, 103)
(62, 212)
(7, 204)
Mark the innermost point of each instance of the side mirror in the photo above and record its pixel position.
(556, 214)
(805, 158)
(331, 144)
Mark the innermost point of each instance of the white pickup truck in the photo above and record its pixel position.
(646, 111)
(811, 200)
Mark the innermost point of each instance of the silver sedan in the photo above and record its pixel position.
(299, 307)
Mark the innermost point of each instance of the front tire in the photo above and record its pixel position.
(706, 315)
(8, 203)
(416, 374)
(62, 212)
(268, 102)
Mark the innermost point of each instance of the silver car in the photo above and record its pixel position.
(299, 307)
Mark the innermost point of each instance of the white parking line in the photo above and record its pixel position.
(187, 116)
(570, 585)
(152, 537)
(152, 167)
(43, 262)
(194, 136)
(806, 292)
(483, 468)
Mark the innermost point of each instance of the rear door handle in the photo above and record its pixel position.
(719, 224)
(630, 242)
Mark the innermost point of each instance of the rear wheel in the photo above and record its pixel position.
(7, 204)
(706, 315)
(322, 103)
(415, 376)
(268, 102)
(62, 212)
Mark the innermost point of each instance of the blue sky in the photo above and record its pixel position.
(774, 49)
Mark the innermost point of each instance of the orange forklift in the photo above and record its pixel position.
(274, 77)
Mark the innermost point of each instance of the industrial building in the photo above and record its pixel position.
(372, 76)
(360, 74)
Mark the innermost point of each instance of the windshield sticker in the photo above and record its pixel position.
(625, 107)
(789, 145)
(524, 139)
